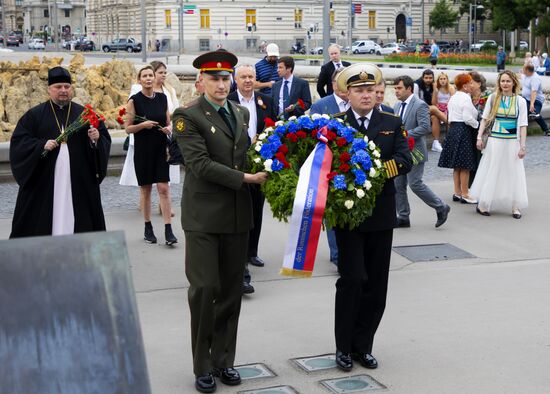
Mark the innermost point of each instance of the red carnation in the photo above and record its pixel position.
(280, 156)
(120, 120)
(301, 134)
(122, 111)
(410, 140)
(269, 122)
(331, 175)
(344, 167)
(345, 157)
(331, 136)
(314, 134)
(292, 137)
(88, 106)
(301, 104)
(341, 141)
(283, 149)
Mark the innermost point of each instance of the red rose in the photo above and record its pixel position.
(269, 122)
(410, 140)
(301, 104)
(292, 137)
(344, 167)
(301, 134)
(345, 157)
(283, 149)
(341, 141)
(331, 175)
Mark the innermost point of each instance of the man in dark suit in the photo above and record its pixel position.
(288, 90)
(327, 70)
(260, 107)
(216, 216)
(380, 92)
(364, 252)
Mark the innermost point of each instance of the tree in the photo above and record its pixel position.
(443, 16)
(480, 14)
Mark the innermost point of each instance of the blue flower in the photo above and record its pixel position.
(275, 141)
(305, 122)
(267, 151)
(360, 176)
(362, 157)
(280, 130)
(339, 182)
(276, 165)
(334, 125)
(292, 127)
(319, 123)
(348, 133)
(358, 144)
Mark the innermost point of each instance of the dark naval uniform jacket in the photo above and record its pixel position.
(215, 199)
(386, 131)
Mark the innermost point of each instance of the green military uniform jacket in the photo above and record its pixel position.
(215, 199)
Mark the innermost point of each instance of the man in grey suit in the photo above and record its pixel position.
(332, 104)
(415, 115)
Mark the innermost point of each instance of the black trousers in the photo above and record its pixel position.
(258, 200)
(363, 265)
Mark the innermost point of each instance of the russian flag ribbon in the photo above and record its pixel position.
(308, 210)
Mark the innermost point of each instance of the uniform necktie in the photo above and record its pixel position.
(403, 104)
(286, 96)
(226, 118)
(363, 126)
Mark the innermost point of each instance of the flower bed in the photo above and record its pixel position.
(445, 58)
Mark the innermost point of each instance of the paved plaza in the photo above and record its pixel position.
(471, 325)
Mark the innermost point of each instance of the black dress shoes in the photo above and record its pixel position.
(205, 383)
(344, 361)
(256, 261)
(366, 360)
(403, 223)
(442, 216)
(229, 376)
(247, 288)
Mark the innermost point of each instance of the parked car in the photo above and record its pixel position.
(363, 46)
(86, 45)
(298, 48)
(316, 51)
(523, 45)
(483, 43)
(122, 44)
(19, 35)
(390, 48)
(36, 43)
(12, 41)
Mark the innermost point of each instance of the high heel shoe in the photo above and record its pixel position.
(467, 200)
(483, 213)
(456, 197)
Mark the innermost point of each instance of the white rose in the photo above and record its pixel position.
(367, 185)
(262, 136)
(258, 147)
(315, 116)
(348, 204)
(375, 153)
(360, 193)
(279, 123)
(257, 160)
(372, 145)
(372, 173)
(325, 116)
(268, 130)
(366, 139)
(292, 118)
(267, 165)
(378, 163)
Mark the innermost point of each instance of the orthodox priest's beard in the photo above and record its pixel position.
(62, 101)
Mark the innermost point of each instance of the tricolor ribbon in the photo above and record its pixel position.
(308, 210)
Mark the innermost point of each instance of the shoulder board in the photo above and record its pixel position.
(390, 113)
(339, 114)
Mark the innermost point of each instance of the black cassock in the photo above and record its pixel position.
(35, 174)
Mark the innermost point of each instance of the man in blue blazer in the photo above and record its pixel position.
(287, 92)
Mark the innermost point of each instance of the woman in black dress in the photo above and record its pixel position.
(150, 138)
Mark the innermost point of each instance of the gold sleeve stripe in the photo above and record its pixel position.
(394, 166)
(391, 168)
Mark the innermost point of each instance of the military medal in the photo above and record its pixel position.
(213, 129)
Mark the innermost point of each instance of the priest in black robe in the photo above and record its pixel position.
(59, 192)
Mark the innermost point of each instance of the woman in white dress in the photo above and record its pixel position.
(500, 179)
(128, 176)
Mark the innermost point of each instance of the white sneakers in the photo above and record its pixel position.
(436, 146)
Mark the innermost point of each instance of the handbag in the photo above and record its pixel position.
(173, 153)
(487, 131)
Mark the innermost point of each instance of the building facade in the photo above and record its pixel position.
(12, 15)
(42, 15)
(243, 25)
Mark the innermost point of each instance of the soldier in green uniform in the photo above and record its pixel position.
(216, 216)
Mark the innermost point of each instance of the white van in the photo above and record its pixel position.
(365, 46)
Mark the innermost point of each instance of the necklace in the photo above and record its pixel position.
(151, 96)
(57, 120)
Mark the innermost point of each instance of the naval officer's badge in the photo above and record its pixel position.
(180, 125)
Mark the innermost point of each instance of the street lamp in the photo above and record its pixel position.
(472, 24)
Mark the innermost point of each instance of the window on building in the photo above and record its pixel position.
(67, 13)
(332, 17)
(298, 17)
(250, 18)
(204, 44)
(251, 43)
(205, 20)
(18, 3)
(46, 13)
(372, 19)
(168, 18)
(457, 26)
